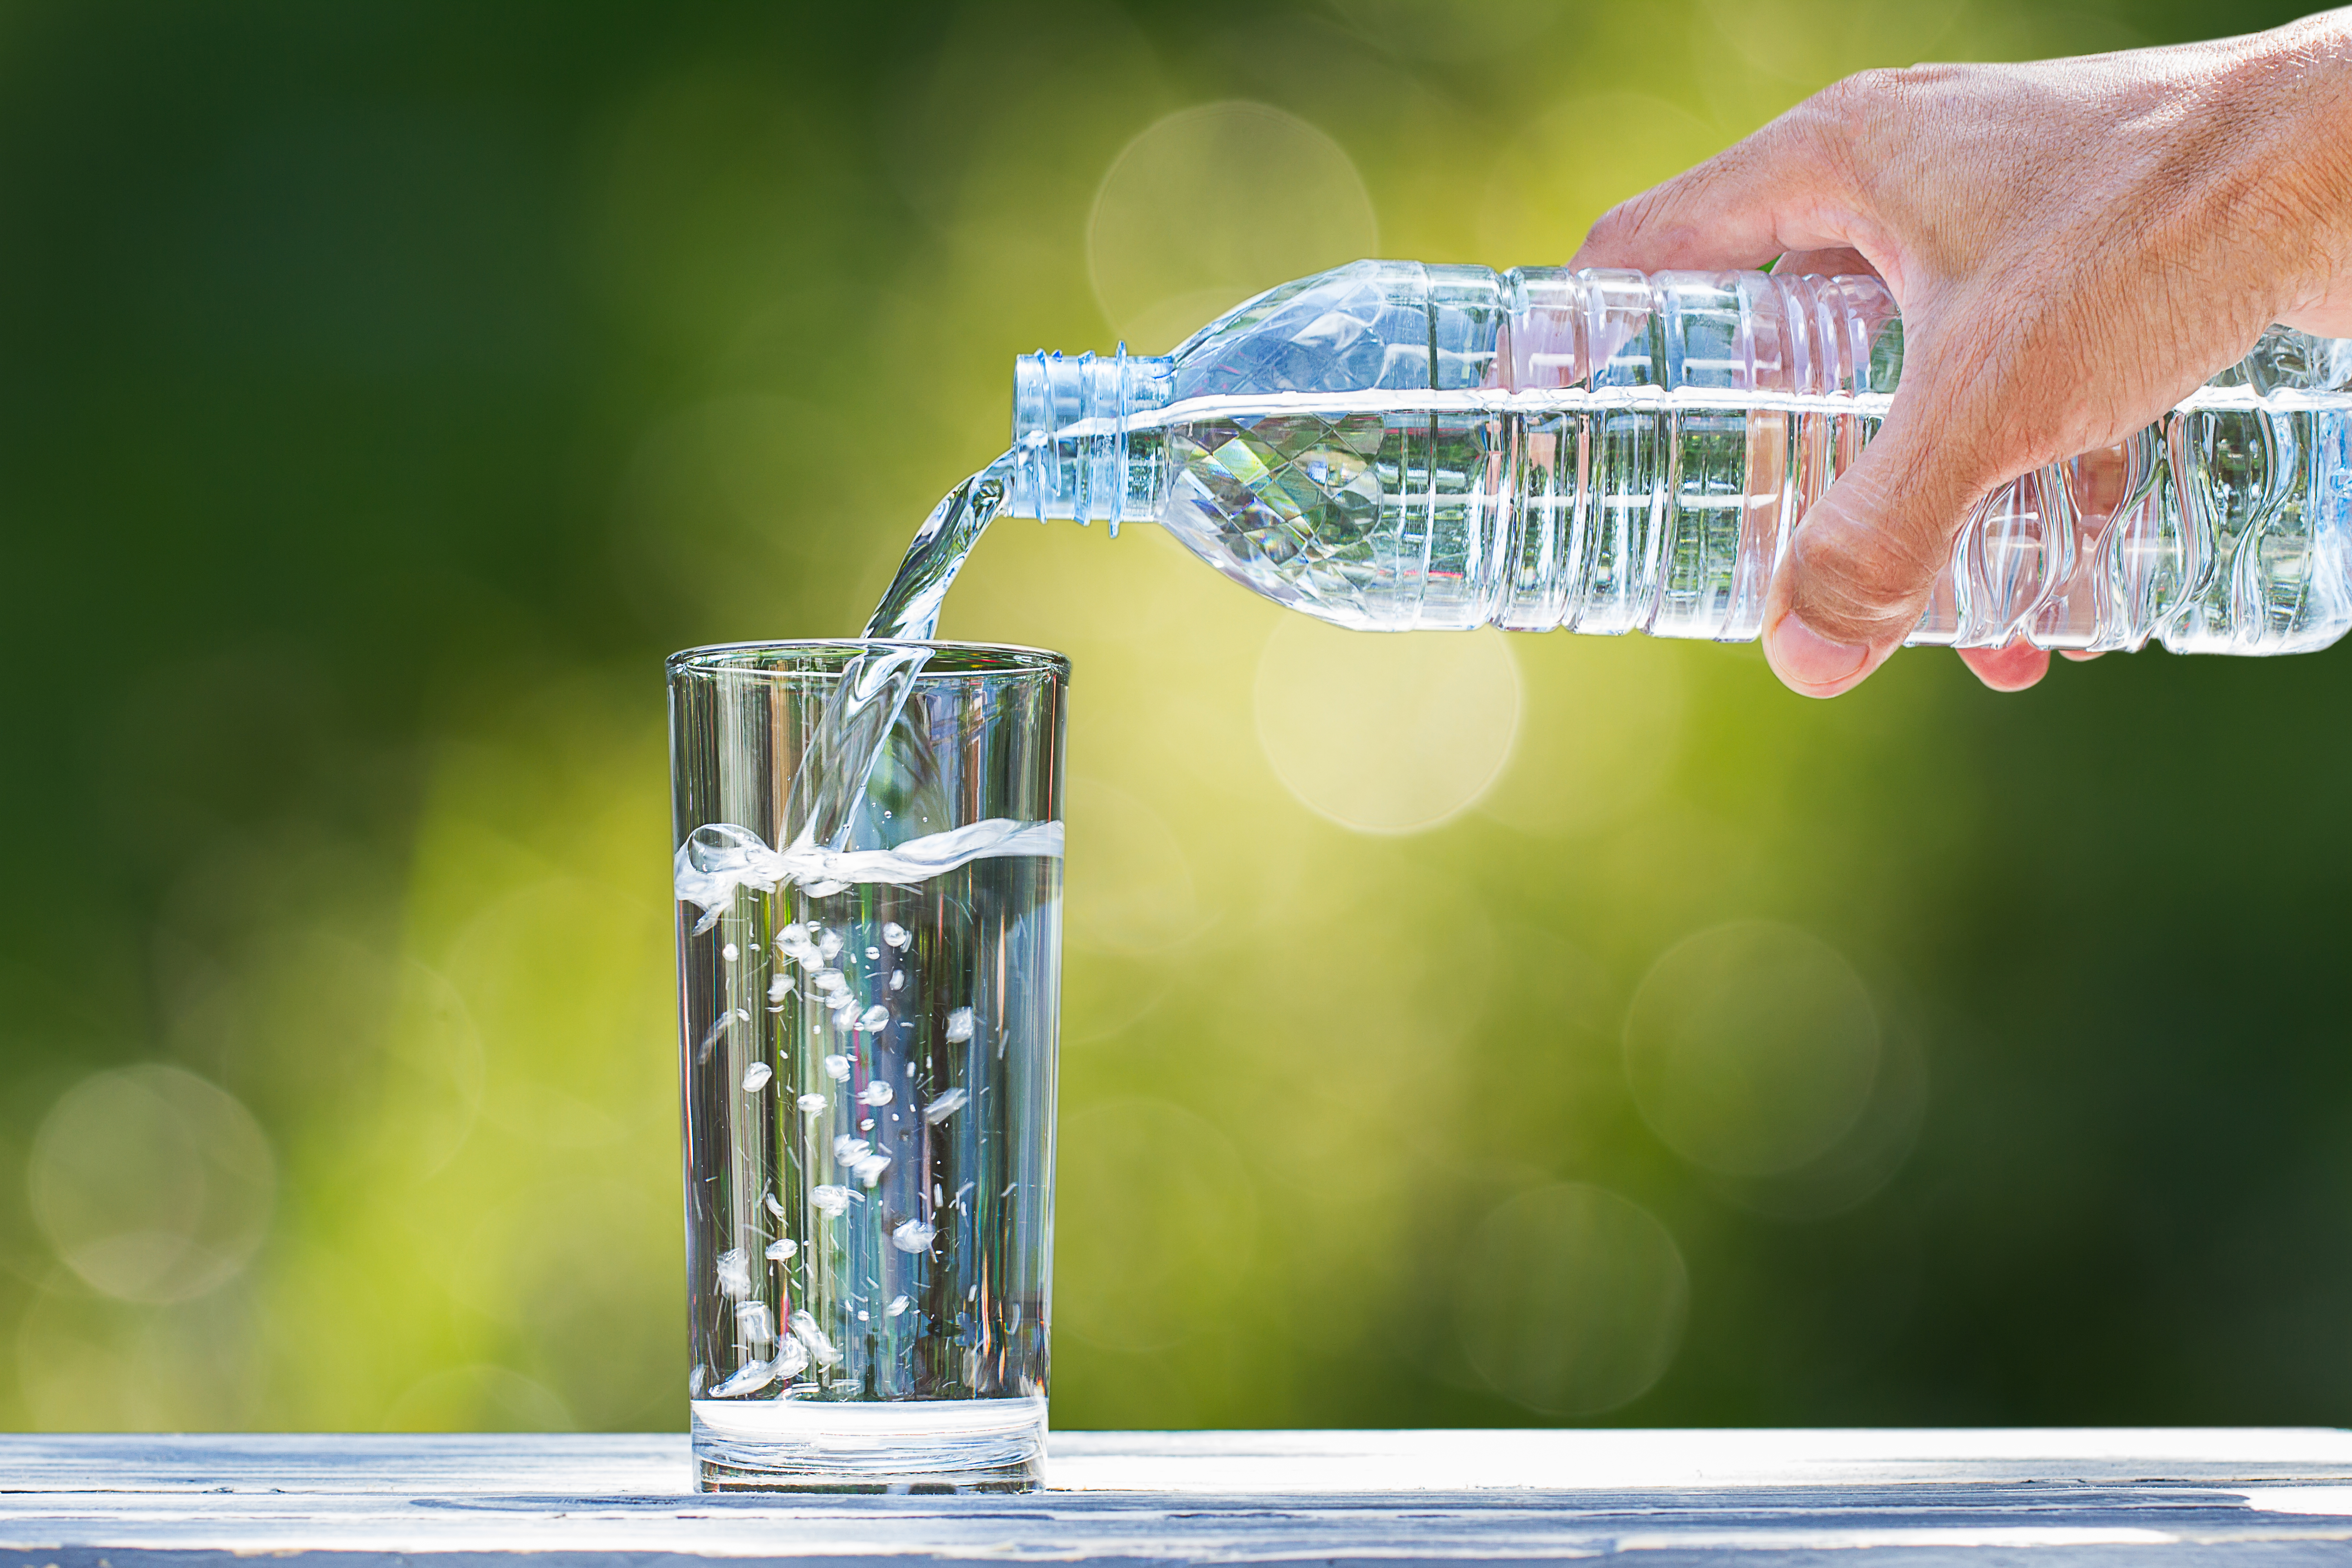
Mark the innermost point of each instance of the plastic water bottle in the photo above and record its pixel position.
(1392, 446)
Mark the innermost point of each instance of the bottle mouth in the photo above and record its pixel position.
(1070, 421)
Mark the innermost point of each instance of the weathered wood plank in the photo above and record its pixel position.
(1619, 1460)
(1391, 1498)
(423, 1464)
(1329, 1462)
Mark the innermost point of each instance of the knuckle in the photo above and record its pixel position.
(1831, 128)
(1845, 110)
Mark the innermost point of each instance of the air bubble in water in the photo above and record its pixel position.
(898, 980)
(869, 1169)
(897, 1305)
(731, 953)
(943, 1105)
(734, 1273)
(875, 1093)
(831, 1200)
(849, 1151)
(756, 1076)
(828, 943)
(960, 1026)
(773, 1207)
(896, 935)
(753, 1323)
(872, 953)
(754, 1377)
(804, 1329)
(875, 1018)
(790, 1358)
(810, 1103)
(912, 1236)
(830, 982)
(837, 1069)
(781, 1250)
(779, 987)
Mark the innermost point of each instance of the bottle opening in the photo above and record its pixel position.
(1071, 453)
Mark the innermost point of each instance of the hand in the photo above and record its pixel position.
(2076, 246)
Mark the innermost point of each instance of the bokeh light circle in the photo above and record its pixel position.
(152, 1183)
(1211, 204)
(1572, 1300)
(1386, 734)
(1752, 1047)
(1156, 1224)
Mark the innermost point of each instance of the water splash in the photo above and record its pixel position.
(848, 738)
(718, 857)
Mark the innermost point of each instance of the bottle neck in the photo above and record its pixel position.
(1073, 454)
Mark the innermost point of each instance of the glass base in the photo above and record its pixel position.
(894, 1446)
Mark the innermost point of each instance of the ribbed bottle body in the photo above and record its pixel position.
(1392, 446)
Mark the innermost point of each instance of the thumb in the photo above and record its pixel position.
(1859, 570)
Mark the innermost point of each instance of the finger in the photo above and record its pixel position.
(2079, 656)
(2012, 668)
(1784, 188)
(1858, 572)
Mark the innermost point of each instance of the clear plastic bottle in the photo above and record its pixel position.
(1392, 446)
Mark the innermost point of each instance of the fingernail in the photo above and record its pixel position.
(1804, 658)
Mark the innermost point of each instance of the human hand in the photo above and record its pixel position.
(2076, 246)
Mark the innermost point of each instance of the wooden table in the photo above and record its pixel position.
(2049, 1498)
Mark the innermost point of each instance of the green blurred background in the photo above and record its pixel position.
(1459, 1030)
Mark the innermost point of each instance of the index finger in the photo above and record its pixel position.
(1786, 188)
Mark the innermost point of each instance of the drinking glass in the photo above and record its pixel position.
(868, 870)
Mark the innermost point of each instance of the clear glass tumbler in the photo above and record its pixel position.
(869, 880)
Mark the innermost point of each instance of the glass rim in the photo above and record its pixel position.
(827, 656)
